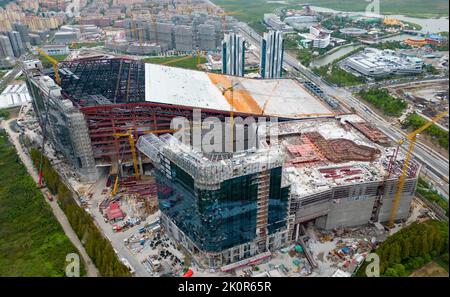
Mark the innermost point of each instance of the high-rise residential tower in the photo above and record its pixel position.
(272, 48)
(5, 47)
(233, 55)
(16, 43)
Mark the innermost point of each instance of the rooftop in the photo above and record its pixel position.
(323, 153)
(281, 97)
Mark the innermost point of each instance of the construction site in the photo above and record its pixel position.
(109, 120)
(427, 98)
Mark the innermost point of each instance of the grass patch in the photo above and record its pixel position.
(4, 113)
(32, 243)
(438, 135)
(46, 63)
(86, 45)
(382, 100)
(189, 63)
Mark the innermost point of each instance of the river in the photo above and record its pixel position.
(321, 61)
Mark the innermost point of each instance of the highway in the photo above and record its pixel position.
(435, 165)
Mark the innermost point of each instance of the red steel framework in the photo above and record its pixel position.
(105, 120)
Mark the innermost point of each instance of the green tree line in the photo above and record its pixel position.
(415, 121)
(97, 246)
(381, 99)
(424, 189)
(412, 247)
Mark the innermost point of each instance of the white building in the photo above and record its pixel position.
(275, 23)
(272, 48)
(375, 62)
(318, 36)
(14, 95)
(55, 49)
(299, 21)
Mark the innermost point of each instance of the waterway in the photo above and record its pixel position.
(327, 59)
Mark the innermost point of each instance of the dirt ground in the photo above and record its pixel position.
(431, 269)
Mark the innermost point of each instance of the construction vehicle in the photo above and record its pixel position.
(54, 63)
(412, 138)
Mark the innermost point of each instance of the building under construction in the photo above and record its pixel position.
(226, 209)
(104, 97)
(333, 170)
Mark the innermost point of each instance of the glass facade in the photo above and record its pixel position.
(216, 220)
(278, 202)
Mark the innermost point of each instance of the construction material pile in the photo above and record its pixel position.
(342, 150)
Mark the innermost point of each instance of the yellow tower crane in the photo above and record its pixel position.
(129, 134)
(231, 89)
(411, 137)
(270, 97)
(132, 141)
(54, 63)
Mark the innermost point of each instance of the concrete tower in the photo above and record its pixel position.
(16, 43)
(5, 47)
(272, 48)
(233, 55)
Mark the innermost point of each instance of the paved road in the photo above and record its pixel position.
(59, 214)
(436, 164)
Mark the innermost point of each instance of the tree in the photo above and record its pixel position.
(391, 272)
(406, 249)
(400, 270)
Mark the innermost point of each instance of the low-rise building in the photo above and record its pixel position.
(317, 37)
(275, 23)
(56, 49)
(375, 62)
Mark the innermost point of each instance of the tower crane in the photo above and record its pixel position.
(132, 141)
(231, 89)
(270, 97)
(54, 63)
(411, 137)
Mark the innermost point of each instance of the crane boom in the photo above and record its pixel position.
(428, 124)
(54, 63)
(401, 182)
(132, 141)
